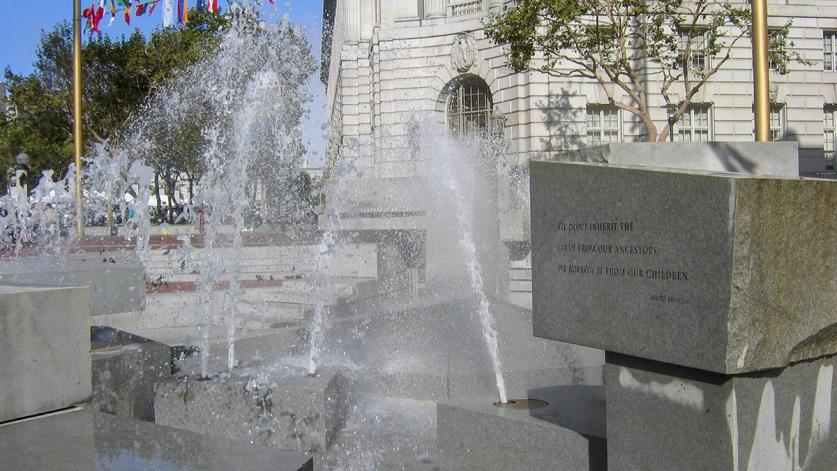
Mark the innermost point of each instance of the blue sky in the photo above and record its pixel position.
(23, 20)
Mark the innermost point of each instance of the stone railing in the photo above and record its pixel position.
(465, 7)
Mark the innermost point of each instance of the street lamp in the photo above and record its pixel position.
(671, 121)
(21, 172)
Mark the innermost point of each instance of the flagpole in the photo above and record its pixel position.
(77, 136)
(761, 85)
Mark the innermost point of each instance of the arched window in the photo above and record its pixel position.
(469, 106)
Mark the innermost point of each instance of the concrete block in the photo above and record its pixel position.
(273, 407)
(667, 417)
(44, 349)
(82, 440)
(568, 434)
(720, 272)
(754, 158)
(117, 286)
(126, 371)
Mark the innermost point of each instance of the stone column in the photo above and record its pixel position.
(352, 16)
(434, 8)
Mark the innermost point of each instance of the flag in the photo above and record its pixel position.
(213, 6)
(200, 5)
(152, 6)
(96, 18)
(185, 12)
(128, 15)
(168, 13)
(112, 9)
(141, 9)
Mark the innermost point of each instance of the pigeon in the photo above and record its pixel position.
(183, 265)
(259, 277)
(167, 251)
(105, 260)
(111, 260)
(158, 282)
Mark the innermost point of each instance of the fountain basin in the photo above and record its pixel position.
(81, 439)
(126, 370)
(277, 407)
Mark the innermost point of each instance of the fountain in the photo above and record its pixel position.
(362, 363)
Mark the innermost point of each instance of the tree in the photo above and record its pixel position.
(632, 46)
(118, 76)
(114, 82)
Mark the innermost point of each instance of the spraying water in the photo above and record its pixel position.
(239, 110)
(469, 251)
(326, 248)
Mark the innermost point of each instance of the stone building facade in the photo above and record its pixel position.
(386, 60)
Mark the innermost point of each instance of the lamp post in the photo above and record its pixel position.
(671, 121)
(77, 136)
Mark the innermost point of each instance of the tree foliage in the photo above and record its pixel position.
(632, 46)
(118, 76)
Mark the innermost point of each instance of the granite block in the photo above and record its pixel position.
(82, 441)
(44, 349)
(667, 417)
(126, 371)
(282, 408)
(719, 272)
(568, 434)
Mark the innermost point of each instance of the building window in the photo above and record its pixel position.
(695, 125)
(829, 50)
(464, 7)
(698, 60)
(777, 122)
(829, 128)
(469, 107)
(603, 124)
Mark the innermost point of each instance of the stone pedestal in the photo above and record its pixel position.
(715, 297)
(567, 434)
(661, 416)
(44, 349)
(270, 407)
(126, 371)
